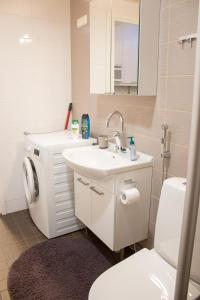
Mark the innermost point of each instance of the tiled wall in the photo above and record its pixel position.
(145, 115)
(34, 82)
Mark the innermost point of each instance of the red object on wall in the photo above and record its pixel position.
(68, 116)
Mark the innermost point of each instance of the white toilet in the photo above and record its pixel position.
(151, 274)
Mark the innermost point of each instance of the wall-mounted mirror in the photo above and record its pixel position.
(124, 46)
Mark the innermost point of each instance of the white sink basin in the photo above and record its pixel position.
(97, 163)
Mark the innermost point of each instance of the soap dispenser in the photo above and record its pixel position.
(133, 154)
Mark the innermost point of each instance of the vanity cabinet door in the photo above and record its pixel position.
(102, 214)
(82, 199)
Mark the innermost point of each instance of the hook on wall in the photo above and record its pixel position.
(187, 39)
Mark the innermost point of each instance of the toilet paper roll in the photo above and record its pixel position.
(130, 196)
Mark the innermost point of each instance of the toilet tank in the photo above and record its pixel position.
(169, 223)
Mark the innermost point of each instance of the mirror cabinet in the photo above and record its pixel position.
(124, 42)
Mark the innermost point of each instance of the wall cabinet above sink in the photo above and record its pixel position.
(124, 38)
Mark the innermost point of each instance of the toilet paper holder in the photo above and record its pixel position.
(130, 195)
(131, 182)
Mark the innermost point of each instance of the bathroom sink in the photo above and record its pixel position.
(97, 163)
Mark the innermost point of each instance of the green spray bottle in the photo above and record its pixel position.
(132, 147)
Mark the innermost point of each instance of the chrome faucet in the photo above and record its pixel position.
(116, 112)
(117, 135)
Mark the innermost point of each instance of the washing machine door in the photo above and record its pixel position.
(31, 185)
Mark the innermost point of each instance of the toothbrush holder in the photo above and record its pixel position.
(103, 141)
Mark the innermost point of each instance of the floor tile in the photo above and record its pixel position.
(32, 241)
(3, 264)
(5, 295)
(3, 274)
(3, 285)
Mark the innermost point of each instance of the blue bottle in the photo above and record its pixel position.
(85, 126)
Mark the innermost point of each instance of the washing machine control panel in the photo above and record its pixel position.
(36, 152)
(33, 151)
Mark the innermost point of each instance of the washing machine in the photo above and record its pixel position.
(49, 182)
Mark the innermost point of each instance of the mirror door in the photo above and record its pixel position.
(125, 57)
(125, 47)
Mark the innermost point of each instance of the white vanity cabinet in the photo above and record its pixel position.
(98, 206)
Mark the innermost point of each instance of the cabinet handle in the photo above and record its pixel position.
(97, 192)
(83, 182)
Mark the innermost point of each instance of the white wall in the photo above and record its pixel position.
(35, 83)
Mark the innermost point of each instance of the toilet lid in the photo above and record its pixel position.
(144, 275)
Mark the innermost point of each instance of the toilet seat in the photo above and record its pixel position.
(144, 275)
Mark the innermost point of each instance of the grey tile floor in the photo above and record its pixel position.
(17, 233)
